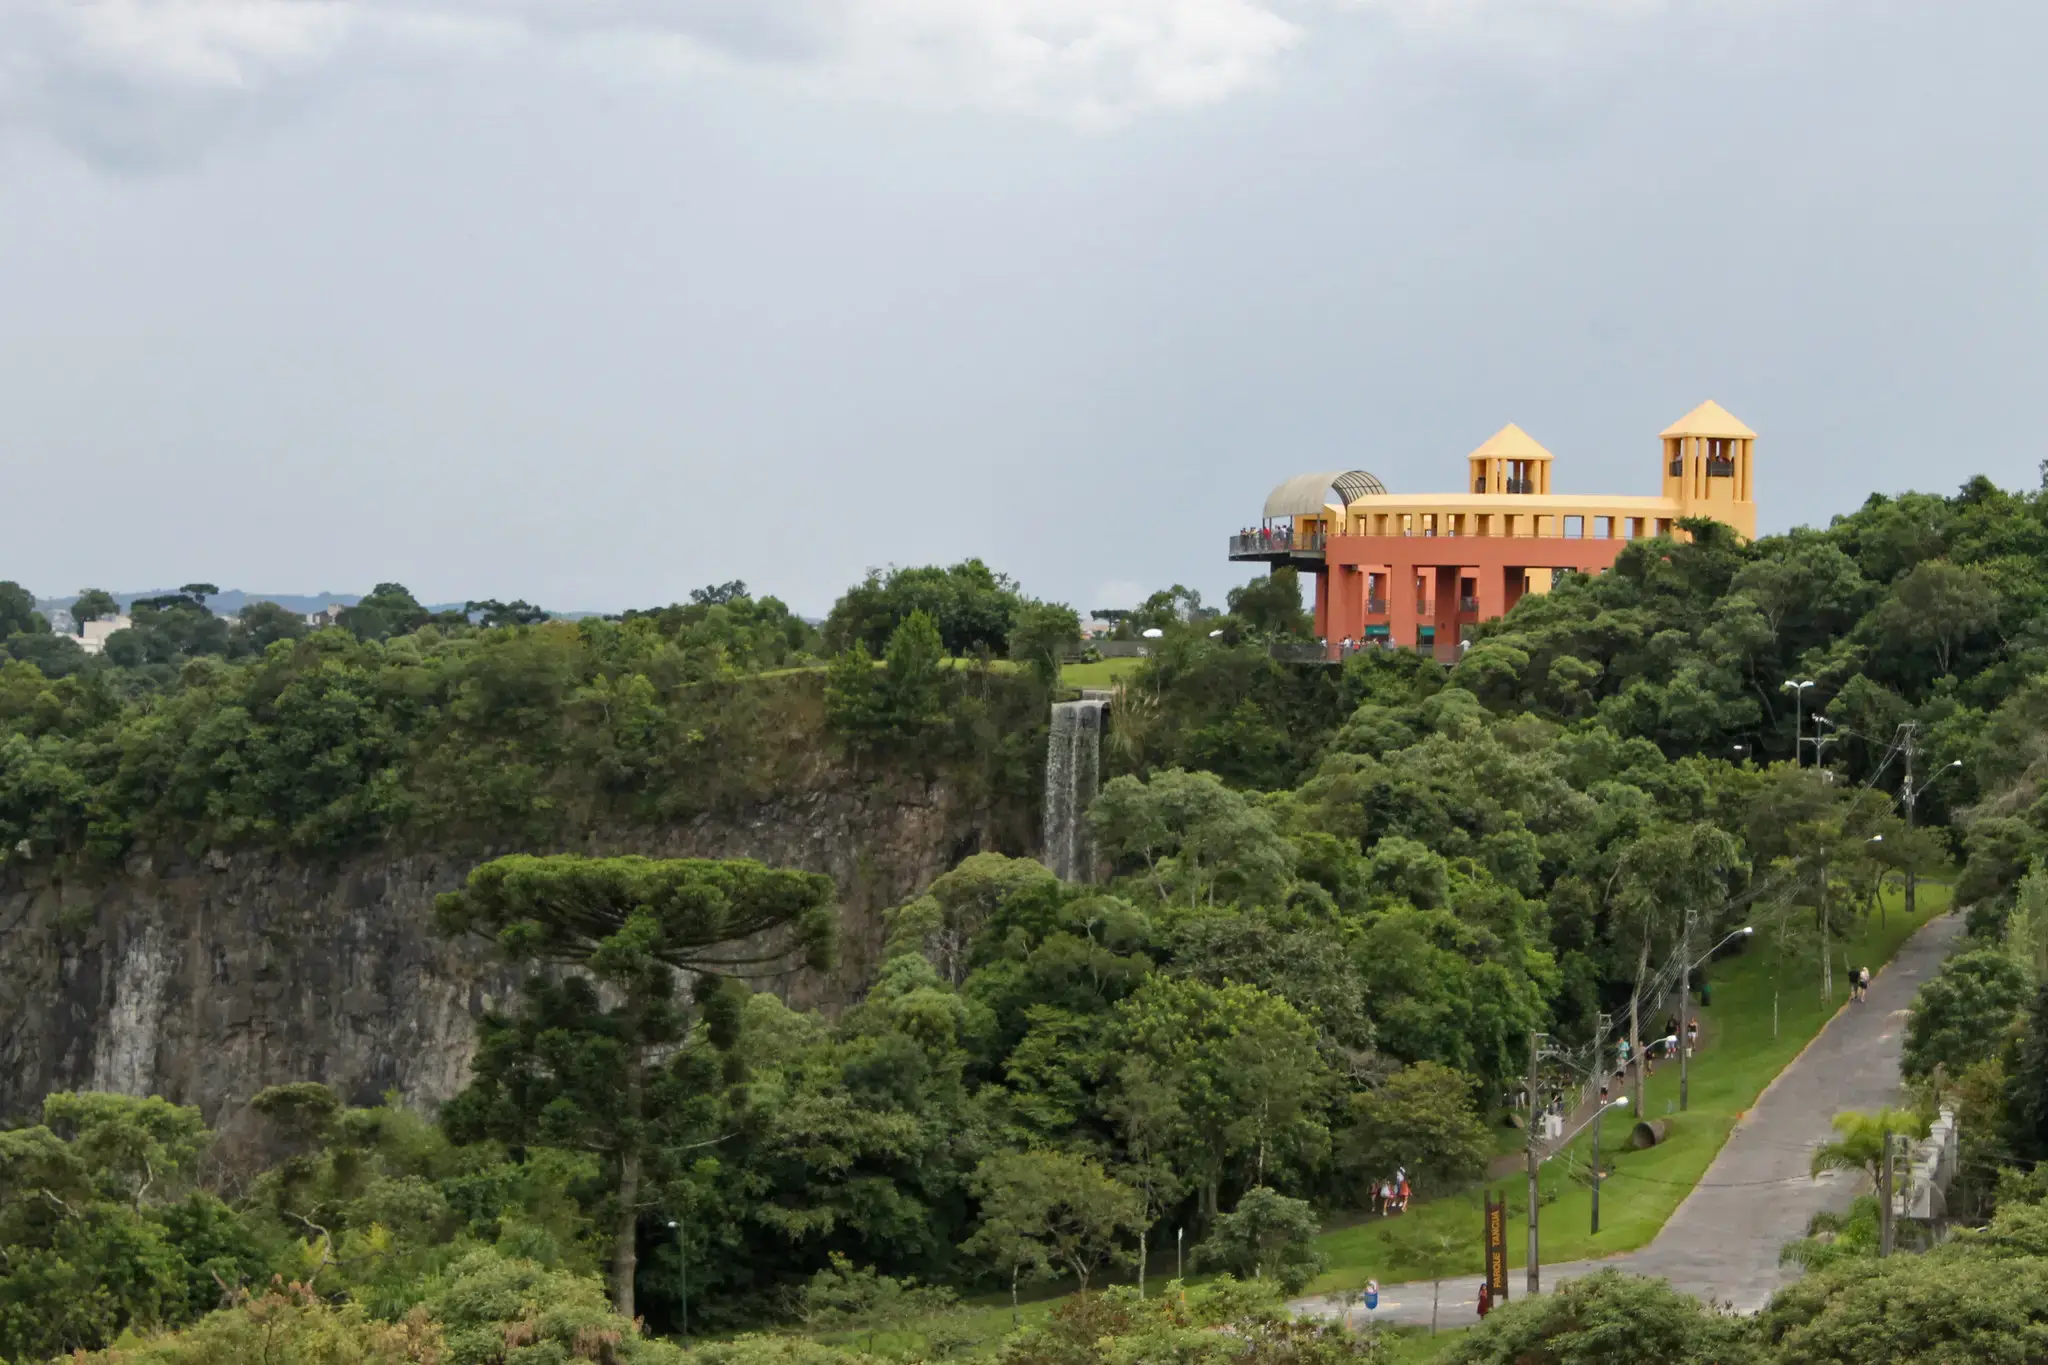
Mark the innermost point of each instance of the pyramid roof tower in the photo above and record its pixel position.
(1709, 419)
(1510, 443)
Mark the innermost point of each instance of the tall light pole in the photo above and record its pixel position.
(1619, 1102)
(1535, 1160)
(1798, 691)
(1685, 1014)
(683, 1260)
(1601, 1024)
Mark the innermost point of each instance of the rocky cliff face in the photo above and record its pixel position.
(205, 980)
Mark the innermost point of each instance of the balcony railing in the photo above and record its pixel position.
(1375, 606)
(1468, 605)
(1254, 544)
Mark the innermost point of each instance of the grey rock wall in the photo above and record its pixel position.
(206, 979)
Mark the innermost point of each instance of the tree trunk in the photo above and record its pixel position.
(1144, 1244)
(1013, 1297)
(626, 1238)
(626, 1235)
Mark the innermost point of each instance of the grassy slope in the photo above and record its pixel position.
(1101, 673)
(1739, 1059)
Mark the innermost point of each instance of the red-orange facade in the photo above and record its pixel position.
(1452, 582)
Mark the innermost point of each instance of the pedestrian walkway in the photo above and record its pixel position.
(1722, 1243)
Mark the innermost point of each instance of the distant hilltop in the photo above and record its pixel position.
(231, 602)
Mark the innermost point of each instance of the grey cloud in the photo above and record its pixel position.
(129, 82)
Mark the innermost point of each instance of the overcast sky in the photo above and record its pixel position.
(594, 301)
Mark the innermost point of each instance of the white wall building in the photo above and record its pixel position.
(93, 638)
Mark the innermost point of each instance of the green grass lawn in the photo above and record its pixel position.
(1740, 1057)
(1101, 673)
(1415, 1346)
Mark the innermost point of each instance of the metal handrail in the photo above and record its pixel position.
(1276, 542)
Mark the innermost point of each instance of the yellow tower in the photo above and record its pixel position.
(1709, 467)
(1510, 462)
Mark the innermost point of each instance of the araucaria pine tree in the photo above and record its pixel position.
(603, 1053)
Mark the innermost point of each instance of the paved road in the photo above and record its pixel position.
(1722, 1243)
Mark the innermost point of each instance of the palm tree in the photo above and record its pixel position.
(1860, 1139)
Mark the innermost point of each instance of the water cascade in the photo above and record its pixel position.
(1073, 769)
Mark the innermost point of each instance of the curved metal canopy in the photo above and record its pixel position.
(1305, 495)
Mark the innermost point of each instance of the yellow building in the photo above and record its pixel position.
(1386, 563)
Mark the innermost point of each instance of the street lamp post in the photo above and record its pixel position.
(1618, 1103)
(683, 1260)
(1685, 1014)
(1798, 691)
(1535, 1158)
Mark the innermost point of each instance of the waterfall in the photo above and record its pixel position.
(1073, 768)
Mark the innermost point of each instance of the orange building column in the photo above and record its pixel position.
(1347, 610)
(1401, 611)
(1493, 591)
(1323, 603)
(1445, 617)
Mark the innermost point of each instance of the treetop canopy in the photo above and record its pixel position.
(706, 915)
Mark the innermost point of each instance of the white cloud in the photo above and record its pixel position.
(126, 76)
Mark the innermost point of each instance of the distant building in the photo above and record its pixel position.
(61, 622)
(93, 638)
(329, 615)
(1421, 569)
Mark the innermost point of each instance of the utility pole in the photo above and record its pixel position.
(1884, 1200)
(1600, 1107)
(1685, 1014)
(1827, 952)
(1535, 1160)
(1635, 1040)
(1912, 796)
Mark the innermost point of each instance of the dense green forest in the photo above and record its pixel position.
(1337, 901)
(398, 727)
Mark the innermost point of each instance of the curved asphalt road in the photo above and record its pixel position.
(1722, 1243)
